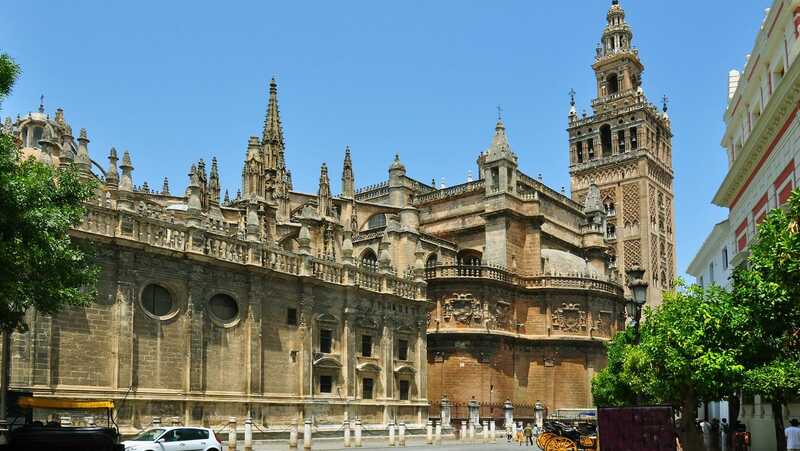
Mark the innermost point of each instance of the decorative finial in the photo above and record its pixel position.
(665, 106)
(499, 113)
(165, 187)
(41, 103)
(572, 97)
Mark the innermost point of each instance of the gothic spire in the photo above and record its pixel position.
(213, 182)
(82, 160)
(617, 35)
(348, 180)
(272, 135)
(324, 193)
(112, 176)
(165, 187)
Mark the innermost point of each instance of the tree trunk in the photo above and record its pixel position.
(734, 406)
(5, 377)
(690, 437)
(777, 416)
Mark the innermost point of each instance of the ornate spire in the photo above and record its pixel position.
(353, 217)
(112, 177)
(41, 103)
(165, 187)
(213, 183)
(617, 35)
(592, 203)
(324, 193)
(82, 160)
(272, 135)
(348, 180)
(126, 183)
(194, 203)
(500, 147)
(227, 199)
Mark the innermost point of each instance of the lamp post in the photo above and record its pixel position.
(638, 298)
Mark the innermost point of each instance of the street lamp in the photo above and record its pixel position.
(638, 289)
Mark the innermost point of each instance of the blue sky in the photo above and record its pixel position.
(177, 81)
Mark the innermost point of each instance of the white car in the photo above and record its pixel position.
(174, 439)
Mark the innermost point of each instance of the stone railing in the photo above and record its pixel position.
(158, 233)
(452, 191)
(372, 191)
(369, 234)
(540, 281)
(539, 186)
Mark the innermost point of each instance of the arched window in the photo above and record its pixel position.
(579, 152)
(430, 265)
(369, 260)
(376, 221)
(613, 84)
(38, 132)
(605, 139)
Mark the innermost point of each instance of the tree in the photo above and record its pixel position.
(41, 268)
(690, 350)
(770, 287)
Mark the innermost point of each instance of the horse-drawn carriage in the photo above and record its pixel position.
(560, 436)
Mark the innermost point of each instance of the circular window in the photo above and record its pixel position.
(223, 307)
(156, 300)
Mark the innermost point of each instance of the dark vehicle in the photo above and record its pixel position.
(36, 438)
(645, 428)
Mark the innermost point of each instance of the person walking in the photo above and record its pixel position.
(528, 434)
(705, 427)
(519, 435)
(509, 432)
(793, 435)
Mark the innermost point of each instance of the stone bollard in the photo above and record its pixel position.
(439, 433)
(156, 422)
(358, 433)
(463, 430)
(232, 434)
(402, 438)
(346, 433)
(492, 431)
(429, 433)
(391, 433)
(293, 436)
(471, 431)
(248, 434)
(485, 432)
(307, 434)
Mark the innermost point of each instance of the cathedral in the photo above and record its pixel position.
(373, 304)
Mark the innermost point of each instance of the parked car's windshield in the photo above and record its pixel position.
(148, 435)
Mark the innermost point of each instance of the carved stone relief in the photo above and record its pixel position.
(569, 318)
(463, 308)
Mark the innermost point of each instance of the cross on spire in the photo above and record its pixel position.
(499, 113)
(666, 103)
(41, 103)
(572, 97)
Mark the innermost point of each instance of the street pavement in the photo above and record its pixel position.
(415, 442)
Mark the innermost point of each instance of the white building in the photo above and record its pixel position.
(762, 141)
(711, 265)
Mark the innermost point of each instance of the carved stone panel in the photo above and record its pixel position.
(463, 309)
(569, 318)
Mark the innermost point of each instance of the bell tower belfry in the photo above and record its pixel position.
(625, 148)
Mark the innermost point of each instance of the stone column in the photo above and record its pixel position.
(471, 431)
(474, 411)
(358, 433)
(485, 431)
(439, 433)
(391, 433)
(493, 431)
(232, 434)
(347, 433)
(196, 314)
(463, 430)
(293, 436)
(248, 434)
(429, 433)
(445, 412)
(307, 434)
(508, 410)
(253, 331)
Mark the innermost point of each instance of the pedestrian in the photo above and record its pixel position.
(724, 429)
(509, 432)
(705, 427)
(528, 434)
(519, 435)
(793, 435)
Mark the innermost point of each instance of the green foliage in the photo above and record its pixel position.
(691, 343)
(40, 266)
(9, 70)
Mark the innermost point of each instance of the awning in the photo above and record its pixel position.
(29, 402)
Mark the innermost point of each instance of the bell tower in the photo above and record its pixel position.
(625, 148)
